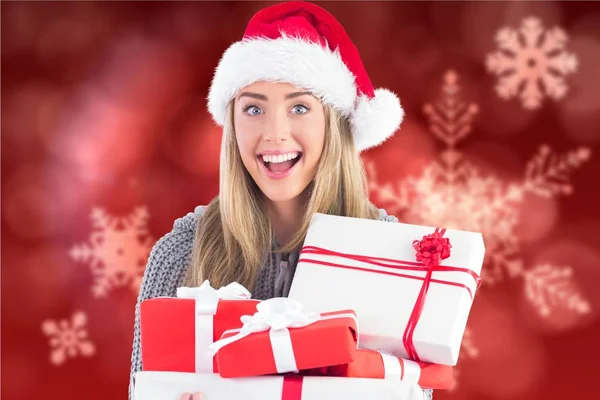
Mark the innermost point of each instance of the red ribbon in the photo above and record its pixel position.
(292, 387)
(430, 251)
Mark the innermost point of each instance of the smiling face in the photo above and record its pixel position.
(280, 132)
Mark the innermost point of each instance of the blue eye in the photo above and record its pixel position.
(252, 110)
(300, 109)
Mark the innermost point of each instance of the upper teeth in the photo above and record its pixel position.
(280, 157)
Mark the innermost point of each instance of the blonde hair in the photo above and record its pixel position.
(234, 235)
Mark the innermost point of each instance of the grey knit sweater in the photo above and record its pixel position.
(170, 258)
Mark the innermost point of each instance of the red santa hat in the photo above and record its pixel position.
(302, 44)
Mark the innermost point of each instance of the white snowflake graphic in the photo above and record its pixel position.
(531, 62)
(68, 339)
(452, 192)
(118, 251)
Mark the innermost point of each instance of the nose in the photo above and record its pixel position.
(277, 128)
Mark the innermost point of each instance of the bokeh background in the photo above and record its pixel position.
(106, 141)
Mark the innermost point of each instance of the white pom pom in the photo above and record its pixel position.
(376, 119)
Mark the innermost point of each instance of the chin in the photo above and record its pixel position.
(284, 189)
(281, 196)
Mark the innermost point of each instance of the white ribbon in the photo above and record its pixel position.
(396, 368)
(275, 315)
(412, 371)
(392, 369)
(207, 300)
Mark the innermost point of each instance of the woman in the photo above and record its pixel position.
(297, 107)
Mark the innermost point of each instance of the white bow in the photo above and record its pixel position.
(275, 315)
(207, 294)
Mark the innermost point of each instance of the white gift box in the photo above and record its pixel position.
(384, 291)
(150, 385)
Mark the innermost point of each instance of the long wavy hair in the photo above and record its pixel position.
(234, 235)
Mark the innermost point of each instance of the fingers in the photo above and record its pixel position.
(197, 396)
(186, 396)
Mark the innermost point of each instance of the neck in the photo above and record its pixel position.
(286, 218)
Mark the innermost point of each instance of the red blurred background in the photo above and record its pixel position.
(106, 141)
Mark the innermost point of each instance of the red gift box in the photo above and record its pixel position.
(375, 365)
(279, 339)
(176, 332)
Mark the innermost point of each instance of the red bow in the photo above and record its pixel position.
(433, 248)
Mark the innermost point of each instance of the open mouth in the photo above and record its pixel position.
(280, 163)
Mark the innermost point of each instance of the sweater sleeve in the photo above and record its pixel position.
(165, 270)
(383, 216)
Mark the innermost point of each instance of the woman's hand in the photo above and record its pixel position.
(191, 396)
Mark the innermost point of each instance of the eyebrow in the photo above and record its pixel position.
(263, 97)
(297, 94)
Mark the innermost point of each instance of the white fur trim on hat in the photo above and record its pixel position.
(286, 59)
(312, 67)
(376, 119)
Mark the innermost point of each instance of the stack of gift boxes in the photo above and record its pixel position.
(375, 310)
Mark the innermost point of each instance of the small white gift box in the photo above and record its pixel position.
(150, 385)
(409, 308)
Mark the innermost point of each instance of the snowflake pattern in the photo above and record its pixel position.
(68, 339)
(117, 251)
(531, 62)
(547, 285)
(452, 192)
